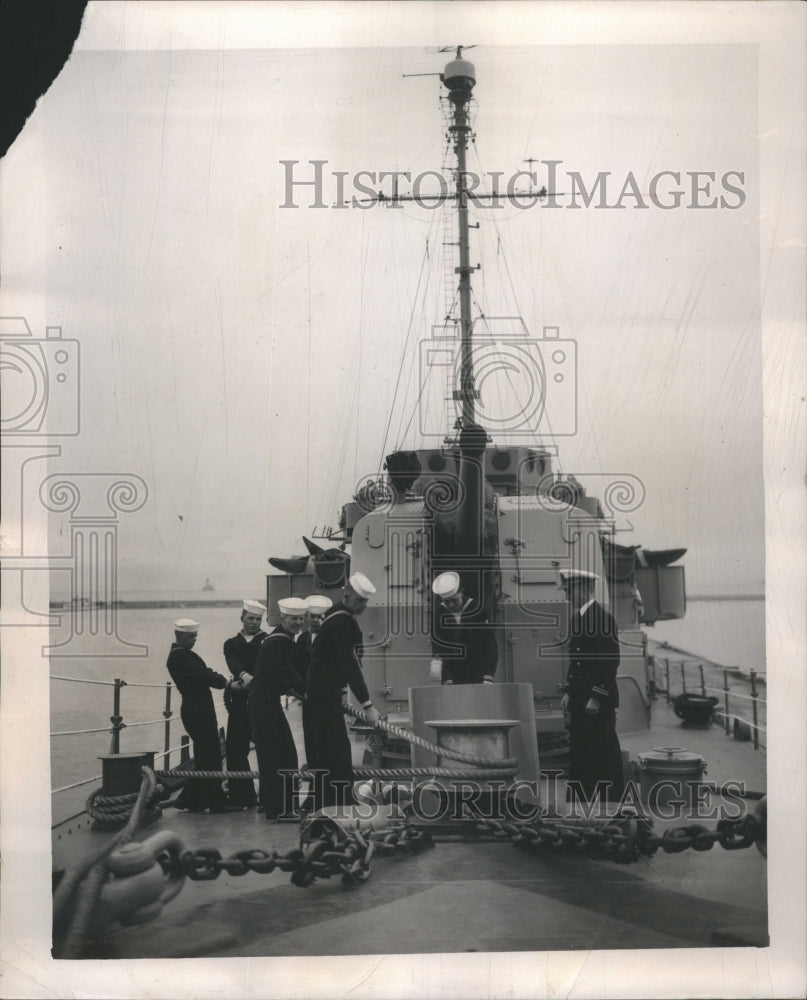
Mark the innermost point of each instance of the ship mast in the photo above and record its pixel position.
(459, 77)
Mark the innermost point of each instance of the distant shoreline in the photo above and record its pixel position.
(187, 603)
(201, 602)
(725, 597)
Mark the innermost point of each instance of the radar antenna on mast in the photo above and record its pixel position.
(459, 48)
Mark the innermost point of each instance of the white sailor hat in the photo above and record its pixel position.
(447, 585)
(254, 607)
(570, 575)
(318, 603)
(361, 585)
(292, 606)
(186, 625)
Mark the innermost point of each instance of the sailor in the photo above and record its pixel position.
(335, 663)
(276, 674)
(463, 641)
(194, 680)
(590, 692)
(241, 652)
(317, 605)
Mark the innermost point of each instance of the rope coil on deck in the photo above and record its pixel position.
(117, 808)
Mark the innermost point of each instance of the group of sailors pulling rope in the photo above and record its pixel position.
(314, 655)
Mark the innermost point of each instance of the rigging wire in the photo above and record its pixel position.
(502, 254)
(405, 352)
(401, 435)
(424, 381)
(308, 387)
(329, 496)
(435, 219)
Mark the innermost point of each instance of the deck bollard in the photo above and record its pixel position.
(122, 775)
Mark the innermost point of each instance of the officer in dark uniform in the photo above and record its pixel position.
(463, 641)
(194, 681)
(590, 695)
(276, 674)
(335, 663)
(241, 652)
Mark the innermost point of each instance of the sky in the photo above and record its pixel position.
(240, 355)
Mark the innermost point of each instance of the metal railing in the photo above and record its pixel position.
(688, 676)
(117, 724)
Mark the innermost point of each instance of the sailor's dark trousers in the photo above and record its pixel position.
(331, 749)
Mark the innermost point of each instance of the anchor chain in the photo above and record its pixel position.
(731, 834)
(612, 839)
(628, 837)
(333, 852)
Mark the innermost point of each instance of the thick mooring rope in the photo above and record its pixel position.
(363, 773)
(489, 768)
(87, 879)
(419, 741)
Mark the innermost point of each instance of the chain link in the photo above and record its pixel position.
(626, 838)
(333, 852)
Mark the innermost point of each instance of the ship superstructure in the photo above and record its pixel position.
(498, 514)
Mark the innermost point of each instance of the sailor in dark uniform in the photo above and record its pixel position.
(194, 681)
(335, 663)
(590, 695)
(276, 674)
(317, 605)
(463, 641)
(241, 652)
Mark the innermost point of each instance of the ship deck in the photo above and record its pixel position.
(461, 896)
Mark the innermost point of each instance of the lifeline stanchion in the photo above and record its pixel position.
(116, 718)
